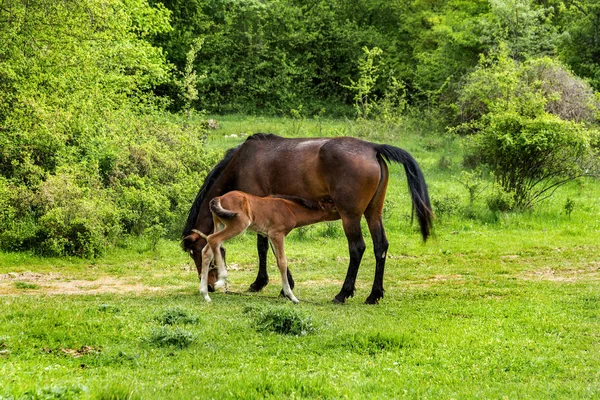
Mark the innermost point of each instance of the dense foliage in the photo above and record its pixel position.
(89, 153)
(273, 56)
(84, 153)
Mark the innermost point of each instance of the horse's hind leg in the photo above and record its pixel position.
(380, 246)
(356, 247)
(278, 250)
(373, 214)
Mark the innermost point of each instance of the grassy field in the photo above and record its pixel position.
(494, 306)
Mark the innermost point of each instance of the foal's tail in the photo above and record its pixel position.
(416, 184)
(219, 211)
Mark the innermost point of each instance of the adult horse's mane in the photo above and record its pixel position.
(209, 181)
(212, 177)
(264, 136)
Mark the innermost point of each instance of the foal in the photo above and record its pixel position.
(271, 216)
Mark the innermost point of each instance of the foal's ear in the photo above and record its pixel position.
(189, 240)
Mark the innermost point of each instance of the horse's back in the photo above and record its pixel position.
(311, 168)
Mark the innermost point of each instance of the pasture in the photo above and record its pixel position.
(495, 305)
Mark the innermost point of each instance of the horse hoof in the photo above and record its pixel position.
(257, 286)
(370, 300)
(211, 289)
(338, 301)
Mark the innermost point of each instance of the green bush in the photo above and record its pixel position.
(173, 316)
(527, 130)
(531, 157)
(500, 201)
(86, 150)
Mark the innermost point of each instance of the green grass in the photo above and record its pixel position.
(493, 306)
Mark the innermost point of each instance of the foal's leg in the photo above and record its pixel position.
(262, 278)
(219, 262)
(356, 247)
(207, 256)
(278, 249)
(222, 269)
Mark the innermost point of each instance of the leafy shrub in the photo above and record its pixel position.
(530, 150)
(86, 152)
(531, 157)
(500, 200)
(283, 320)
(448, 204)
(539, 85)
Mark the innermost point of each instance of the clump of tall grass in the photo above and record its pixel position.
(174, 316)
(166, 336)
(283, 320)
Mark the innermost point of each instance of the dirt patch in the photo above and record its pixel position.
(75, 353)
(52, 283)
(589, 272)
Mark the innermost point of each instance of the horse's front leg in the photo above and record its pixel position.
(262, 279)
(279, 251)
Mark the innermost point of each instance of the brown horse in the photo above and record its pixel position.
(352, 172)
(271, 216)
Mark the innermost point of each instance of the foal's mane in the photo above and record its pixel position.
(209, 181)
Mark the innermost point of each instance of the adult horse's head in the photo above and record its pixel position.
(191, 243)
(200, 222)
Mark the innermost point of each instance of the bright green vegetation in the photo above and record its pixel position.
(494, 305)
(104, 143)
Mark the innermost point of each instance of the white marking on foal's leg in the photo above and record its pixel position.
(204, 293)
(206, 259)
(287, 290)
(222, 270)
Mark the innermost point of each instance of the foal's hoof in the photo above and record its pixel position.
(219, 284)
(211, 288)
(337, 300)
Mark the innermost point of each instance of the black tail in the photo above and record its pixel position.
(416, 184)
(216, 208)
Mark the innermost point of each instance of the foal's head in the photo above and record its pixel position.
(194, 243)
